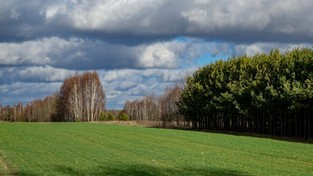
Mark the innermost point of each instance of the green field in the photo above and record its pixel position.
(103, 149)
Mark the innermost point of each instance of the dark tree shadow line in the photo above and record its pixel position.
(144, 170)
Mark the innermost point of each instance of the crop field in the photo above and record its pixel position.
(111, 149)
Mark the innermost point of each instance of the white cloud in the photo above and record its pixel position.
(37, 52)
(139, 90)
(160, 55)
(101, 15)
(127, 84)
(45, 73)
(33, 74)
(112, 94)
(251, 49)
(212, 15)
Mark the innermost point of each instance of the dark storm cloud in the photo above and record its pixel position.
(85, 54)
(140, 20)
(70, 54)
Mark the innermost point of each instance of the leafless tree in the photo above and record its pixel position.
(169, 110)
(155, 108)
(81, 98)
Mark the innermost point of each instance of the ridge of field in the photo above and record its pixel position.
(111, 149)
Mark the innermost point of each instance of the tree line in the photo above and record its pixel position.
(34, 111)
(267, 94)
(156, 108)
(80, 98)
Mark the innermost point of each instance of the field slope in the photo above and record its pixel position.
(103, 149)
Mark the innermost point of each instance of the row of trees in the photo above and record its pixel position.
(156, 108)
(81, 98)
(34, 111)
(266, 94)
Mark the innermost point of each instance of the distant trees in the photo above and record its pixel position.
(144, 109)
(270, 94)
(156, 108)
(267, 94)
(81, 98)
(168, 108)
(34, 111)
(6, 113)
(40, 110)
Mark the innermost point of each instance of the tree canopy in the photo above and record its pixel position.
(265, 93)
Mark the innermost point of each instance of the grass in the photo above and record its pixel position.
(104, 149)
(4, 170)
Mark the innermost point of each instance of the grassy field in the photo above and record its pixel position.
(103, 149)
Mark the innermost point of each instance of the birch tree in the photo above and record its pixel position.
(81, 98)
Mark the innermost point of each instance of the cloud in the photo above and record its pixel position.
(142, 21)
(67, 53)
(36, 52)
(266, 48)
(127, 72)
(98, 15)
(29, 83)
(84, 54)
(26, 92)
(159, 55)
(129, 84)
(14, 14)
(138, 47)
(190, 17)
(33, 74)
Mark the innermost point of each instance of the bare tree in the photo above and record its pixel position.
(81, 98)
(169, 110)
(153, 108)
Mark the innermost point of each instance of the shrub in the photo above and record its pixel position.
(110, 117)
(102, 116)
(106, 116)
(123, 117)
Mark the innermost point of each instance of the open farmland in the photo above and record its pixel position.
(107, 149)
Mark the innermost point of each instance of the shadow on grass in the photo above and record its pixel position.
(24, 173)
(236, 133)
(145, 170)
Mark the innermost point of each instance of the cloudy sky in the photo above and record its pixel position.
(138, 47)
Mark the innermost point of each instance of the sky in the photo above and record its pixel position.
(138, 47)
